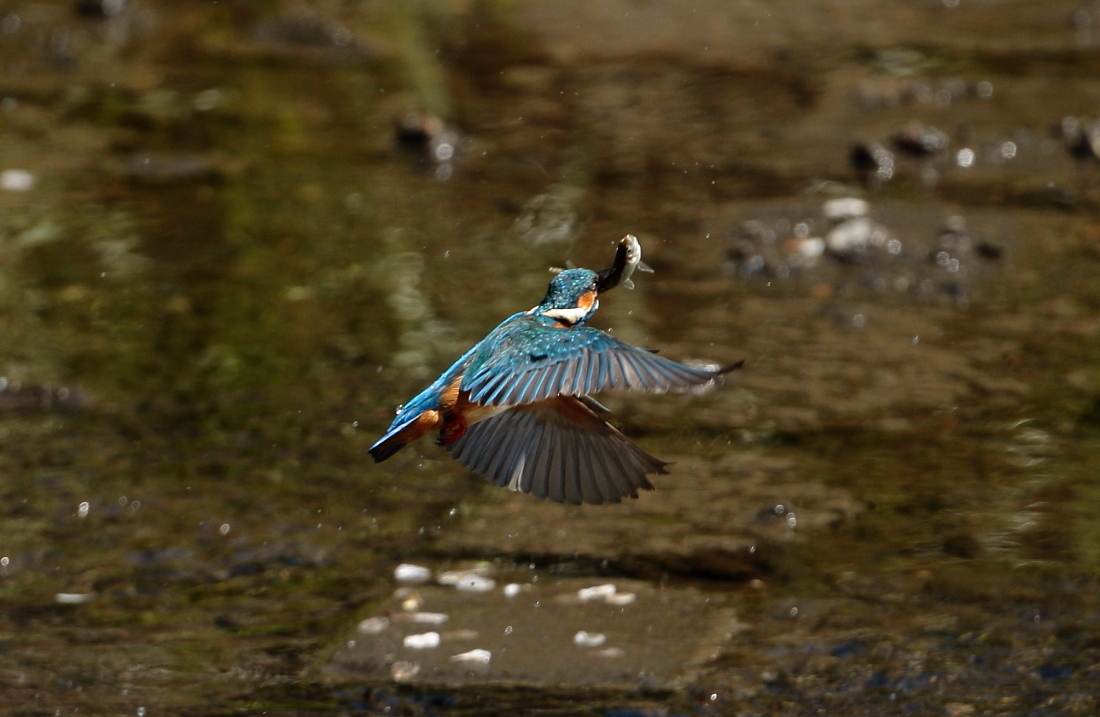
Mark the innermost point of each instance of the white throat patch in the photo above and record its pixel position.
(570, 316)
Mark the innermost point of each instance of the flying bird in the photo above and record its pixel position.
(516, 408)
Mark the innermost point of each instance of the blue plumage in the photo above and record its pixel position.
(515, 407)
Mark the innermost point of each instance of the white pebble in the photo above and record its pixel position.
(373, 625)
(810, 248)
(620, 599)
(610, 652)
(407, 573)
(851, 235)
(589, 639)
(74, 598)
(402, 670)
(16, 180)
(453, 577)
(425, 641)
(479, 656)
(429, 618)
(599, 592)
(845, 208)
(476, 584)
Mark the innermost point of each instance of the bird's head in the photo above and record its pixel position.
(571, 297)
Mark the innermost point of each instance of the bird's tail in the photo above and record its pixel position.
(386, 447)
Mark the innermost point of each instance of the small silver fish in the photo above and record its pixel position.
(633, 260)
(628, 258)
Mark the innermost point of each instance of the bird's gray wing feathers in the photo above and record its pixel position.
(557, 449)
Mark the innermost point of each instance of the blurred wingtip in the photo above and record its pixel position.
(732, 367)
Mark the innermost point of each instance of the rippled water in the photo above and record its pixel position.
(235, 237)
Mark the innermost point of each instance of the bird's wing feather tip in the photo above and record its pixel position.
(732, 367)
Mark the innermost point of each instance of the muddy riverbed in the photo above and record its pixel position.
(235, 236)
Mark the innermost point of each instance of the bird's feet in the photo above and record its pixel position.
(452, 430)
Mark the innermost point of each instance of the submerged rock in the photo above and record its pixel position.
(859, 253)
(872, 161)
(158, 168)
(919, 140)
(301, 31)
(428, 136)
(1081, 138)
(659, 639)
(16, 396)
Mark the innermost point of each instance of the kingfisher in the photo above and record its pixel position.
(516, 408)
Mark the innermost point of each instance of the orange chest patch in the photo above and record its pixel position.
(587, 301)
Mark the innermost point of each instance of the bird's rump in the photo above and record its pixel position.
(557, 449)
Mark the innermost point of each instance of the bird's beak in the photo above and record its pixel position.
(610, 278)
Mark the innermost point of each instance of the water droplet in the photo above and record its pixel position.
(508, 630)
(794, 612)
(965, 158)
(792, 520)
(140, 712)
(224, 530)
(780, 509)
(4, 561)
(82, 511)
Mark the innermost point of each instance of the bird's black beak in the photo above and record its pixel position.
(610, 278)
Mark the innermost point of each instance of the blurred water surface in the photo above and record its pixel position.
(234, 236)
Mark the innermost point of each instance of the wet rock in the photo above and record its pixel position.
(890, 94)
(476, 657)
(1081, 138)
(302, 30)
(853, 237)
(659, 640)
(919, 140)
(872, 161)
(16, 180)
(989, 250)
(407, 573)
(962, 545)
(100, 8)
(861, 254)
(155, 168)
(16, 396)
(551, 217)
(429, 137)
(841, 209)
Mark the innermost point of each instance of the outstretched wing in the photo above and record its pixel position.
(531, 363)
(557, 449)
